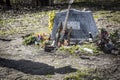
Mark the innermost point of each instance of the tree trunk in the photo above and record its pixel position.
(8, 3)
(37, 2)
(1, 2)
(44, 2)
(51, 2)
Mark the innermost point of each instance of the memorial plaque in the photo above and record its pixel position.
(82, 22)
(74, 24)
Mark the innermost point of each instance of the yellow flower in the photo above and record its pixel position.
(51, 19)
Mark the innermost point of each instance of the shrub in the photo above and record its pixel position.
(29, 40)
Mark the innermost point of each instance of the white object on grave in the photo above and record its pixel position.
(88, 50)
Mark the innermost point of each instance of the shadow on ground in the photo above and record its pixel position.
(34, 68)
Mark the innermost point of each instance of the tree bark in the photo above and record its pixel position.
(1, 2)
(51, 2)
(8, 3)
(37, 2)
(44, 2)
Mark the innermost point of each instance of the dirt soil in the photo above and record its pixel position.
(19, 62)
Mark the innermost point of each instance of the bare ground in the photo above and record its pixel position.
(19, 62)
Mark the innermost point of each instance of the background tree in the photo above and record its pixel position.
(8, 3)
(44, 2)
(1, 2)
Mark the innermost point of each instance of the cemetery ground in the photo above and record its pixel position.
(29, 62)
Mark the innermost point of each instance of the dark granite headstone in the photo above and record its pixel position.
(82, 22)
